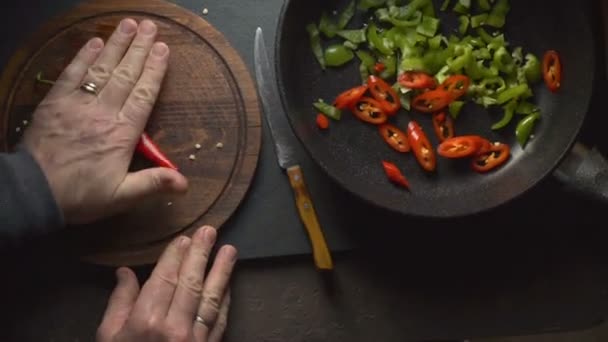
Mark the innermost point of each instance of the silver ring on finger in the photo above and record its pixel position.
(200, 320)
(90, 87)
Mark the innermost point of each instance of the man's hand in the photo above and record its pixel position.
(84, 142)
(167, 306)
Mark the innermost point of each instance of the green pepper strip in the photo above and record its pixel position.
(525, 127)
(478, 20)
(315, 43)
(482, 53)
(445, 5)
(497, 41)
(364, 72)
(353, 36)
(508, 117)
(412, 64)
(462, 6)
(503, 60)
(377, 42)
(390, 66)
(463, 27)
(429, 10)
(532, 68)
(384, 15)
(435, 42)
(526, 108)
(484, 5)
(512, 93)
(408, 10)
(498, 15)
(364, 5)
(327, 26)
(328, 110)
(347, 14)
(518, 56)
(455, 108)
(350, 45)
(367, 59)
(337, 55)
(428, 27)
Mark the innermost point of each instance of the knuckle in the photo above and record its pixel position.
(100, 72)
(144, 97)
(138, 48)
(125, 76)
(211, 303)
(165, 278)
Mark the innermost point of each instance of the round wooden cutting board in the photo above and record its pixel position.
(208, 98)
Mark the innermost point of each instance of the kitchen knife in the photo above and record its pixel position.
(273, 112)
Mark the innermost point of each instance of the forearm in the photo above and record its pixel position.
(27, 206)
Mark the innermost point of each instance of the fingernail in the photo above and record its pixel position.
(230, 253)
(127, 26)
(147, 27)
(210, 234)
(160, 49)
(95, 44)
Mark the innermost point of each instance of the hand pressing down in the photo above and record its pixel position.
(84, 140)
(178, 302)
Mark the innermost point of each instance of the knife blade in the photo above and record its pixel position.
(275, 117)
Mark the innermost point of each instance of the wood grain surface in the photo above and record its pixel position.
(208, 98)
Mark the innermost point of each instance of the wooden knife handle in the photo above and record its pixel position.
(308, 215)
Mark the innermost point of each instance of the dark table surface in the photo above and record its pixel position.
(538, 264)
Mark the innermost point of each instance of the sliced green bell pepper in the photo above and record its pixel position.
(482, 53)
(328, 110)
(346, 15)
(503, 60)
(485, 101)
(525, 127)
(532, 68)
(428, 27)
(435, 42)
(384, 15)
(353, 36)
(315, 43)
(364, 72)
(379, 43)
(412, 63)
(484, 5)
(498, 15)
(497, 41)
(462, 6)
(518, 56)
(478, 20)
(512, 93)
(464, 23)
(327, 26)
(526, 108)
(445, 5)
(429, 10)
(350, 45)
(509, 110)
(367, 60)
(337, 55)
(455, 108)
(390, 66)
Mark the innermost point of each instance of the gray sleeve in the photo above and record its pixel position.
(27, 206)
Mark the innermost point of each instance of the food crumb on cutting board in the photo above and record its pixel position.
(205, 11)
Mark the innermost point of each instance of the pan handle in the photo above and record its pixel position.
(585, 170)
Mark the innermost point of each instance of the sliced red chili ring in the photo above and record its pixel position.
(552, 70)
(432, 101)
(498, 155)
(379, 67)
(421, 146)
(384, 94)
(370, 111)
(348, 98)
(395, 175)
(322, 121)
(394, 137)
(417, 80)
(444, 126)
(459, 147)
(456, 85)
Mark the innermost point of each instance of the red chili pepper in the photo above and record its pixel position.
(394, 174)
(552, 70)
(379, 67)
(456, 85)
(432, 101)
(322, 121)
(444, 126)
(349, 97)
(384, 94)
(498, 155)
(394, 137)
(370, 111)
(417, 80)
(152, 152)
(420, 145)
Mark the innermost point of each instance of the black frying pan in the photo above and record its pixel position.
(351, 152)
